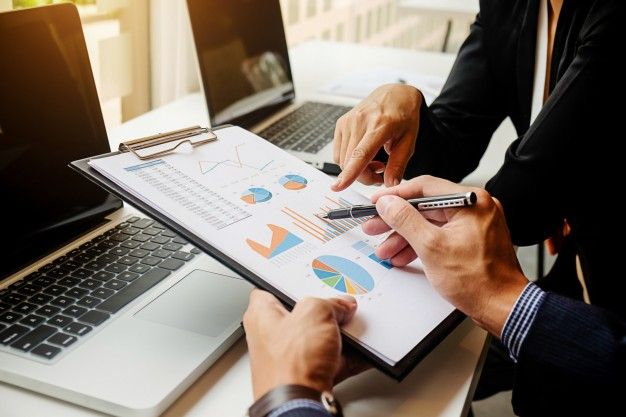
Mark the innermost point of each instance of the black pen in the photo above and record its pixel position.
(423, 203)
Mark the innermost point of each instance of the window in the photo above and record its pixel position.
(327, 5)
(311, 8)
(326, 35)
(293, 11)
(368, 24)
(357, 28)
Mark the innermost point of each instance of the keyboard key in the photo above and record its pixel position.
(46, 351)
(127, 260)
(74, 311)
(33, 338)
(12, 334)
(60, 320)
(120, 237)
(77, 293)
(69, 281)
(116, 268)
(133, 290)
(32, 320)
(10, 317)
(139, 253)
(131, 231)
(183, 256)
(143, 223)
(161, 240)
(94, 318)
(32, 276)
(62, 301)
(173, 247)
(62, 339)
(142, 238)
(90, 284)
(18, 284)
(82, 273)
(103, 275)
(196, 251)
(158, 225)
(4, 307)
(132, 219)
(48, 311)
(40, 299)
(108, 244)
(2, 327)
(25, 308)
(29, 289)
(83, 258)
(102, 293)
(78, 329)
(55, 290)
(168, 233)
(13, 298)
(162, 253)
(131, 244)
(139, 268)
(57, 273)
(115, 284)
(179, 240)
(86, 245)
(107, 258)
(127, 276)
(89, 302)
(119, 251)
(151, 260)
(95, 251)
(150, 246)
(44, 281)
(74, 252)
(46, 268)
(151, 231)
(122, 225)
(171, 264)
(95, 265)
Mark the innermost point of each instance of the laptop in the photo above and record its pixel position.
(99, 305)
(247, 79)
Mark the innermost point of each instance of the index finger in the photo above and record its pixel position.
(362, 154)
(263, 306)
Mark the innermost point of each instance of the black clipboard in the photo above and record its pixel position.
(398, 371)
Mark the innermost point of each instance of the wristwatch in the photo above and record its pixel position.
(284, 393)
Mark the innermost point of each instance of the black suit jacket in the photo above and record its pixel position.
(567, 164)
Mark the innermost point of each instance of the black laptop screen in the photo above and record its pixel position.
(49, 116)
(243, 58)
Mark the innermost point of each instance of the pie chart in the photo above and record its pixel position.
(343, 275)
(293, 182)
(256, 195)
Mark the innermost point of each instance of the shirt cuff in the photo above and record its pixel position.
(521, 319)
(300, 408)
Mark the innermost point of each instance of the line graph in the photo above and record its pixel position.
(207, 167)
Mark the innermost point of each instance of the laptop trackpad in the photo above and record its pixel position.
(203, 302)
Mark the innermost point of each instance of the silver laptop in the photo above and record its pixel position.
(247, 79)
(99, 305)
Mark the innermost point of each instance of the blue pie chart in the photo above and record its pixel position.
(256, 195)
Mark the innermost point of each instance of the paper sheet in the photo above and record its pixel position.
(259, 205)
(359, 84)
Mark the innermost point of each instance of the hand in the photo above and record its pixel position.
(467, 252)
(389, 118)
(302, 347)
(555, 242)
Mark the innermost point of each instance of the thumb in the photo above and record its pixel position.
(406, 220)
(343, 308)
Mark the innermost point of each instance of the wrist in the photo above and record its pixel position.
(271, 381)
(498, 302)
(285, 395)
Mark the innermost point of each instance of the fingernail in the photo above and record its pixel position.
(396, 182)
(348, 298)
(337, 183)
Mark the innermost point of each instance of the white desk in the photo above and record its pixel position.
(441, 385)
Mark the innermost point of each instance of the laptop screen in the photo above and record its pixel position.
(242, 52)
(49, 116)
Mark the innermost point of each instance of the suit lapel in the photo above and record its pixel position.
(526, 59)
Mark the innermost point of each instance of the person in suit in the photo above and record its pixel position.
(551, 67)
(570, 356)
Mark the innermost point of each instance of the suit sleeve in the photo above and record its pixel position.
(455, 130)
(572, 361)
(568, 151)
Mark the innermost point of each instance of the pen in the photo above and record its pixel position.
(423, 203)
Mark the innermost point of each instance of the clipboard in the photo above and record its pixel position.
(171, 141)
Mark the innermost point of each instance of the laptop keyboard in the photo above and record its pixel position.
(307, 129)
(55, 307)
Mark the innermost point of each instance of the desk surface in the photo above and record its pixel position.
(440, 384)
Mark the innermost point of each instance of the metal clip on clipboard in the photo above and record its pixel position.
(165, 143)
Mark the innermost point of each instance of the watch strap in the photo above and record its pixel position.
(284, 393)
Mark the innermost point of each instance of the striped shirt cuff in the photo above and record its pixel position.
(300, 407)
(521, 318)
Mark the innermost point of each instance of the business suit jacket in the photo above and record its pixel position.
(566, 165)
